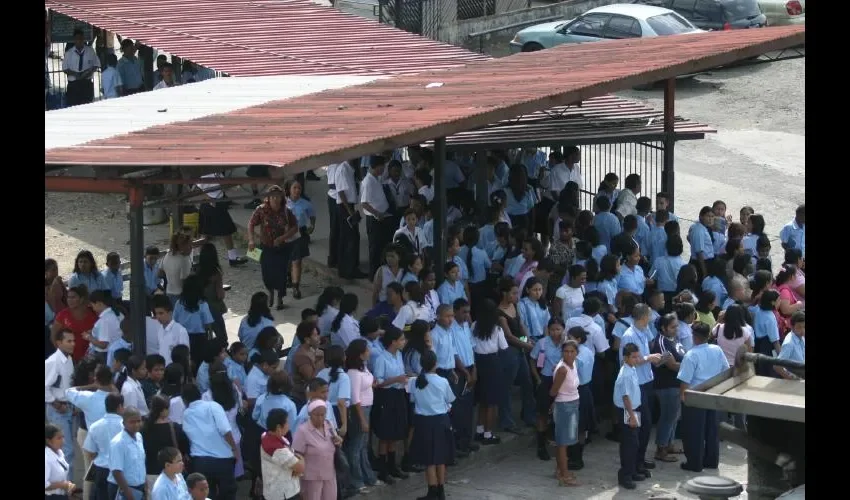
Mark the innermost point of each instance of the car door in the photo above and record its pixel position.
(684, 8)
(620, 27)
(708, 15)
(587, 28)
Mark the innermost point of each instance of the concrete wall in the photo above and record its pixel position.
(458, 33)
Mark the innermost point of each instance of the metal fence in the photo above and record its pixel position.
(645, 159)
(426, 17)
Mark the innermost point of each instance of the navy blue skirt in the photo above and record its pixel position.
(433, 440)
(490, 386)
(763, 345)
(390, 414)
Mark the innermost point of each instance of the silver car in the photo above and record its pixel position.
(610, 22)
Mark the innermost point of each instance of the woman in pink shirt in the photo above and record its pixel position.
(316, 442)
(788, 303)
(566, 408)
(362, 396)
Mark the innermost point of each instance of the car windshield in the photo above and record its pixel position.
(669, 24)
(740, 9)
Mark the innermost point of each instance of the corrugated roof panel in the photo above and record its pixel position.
(314, 130)
(257, 38)
(111, 117)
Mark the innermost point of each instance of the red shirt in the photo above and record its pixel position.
(78, 326)
(273, 223)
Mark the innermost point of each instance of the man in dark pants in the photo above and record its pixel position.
(700, 427)
(378, 209)
(333, 218)
(348, 244)
(79, 64)
(639, 335)
(627, 398)
(463, 409)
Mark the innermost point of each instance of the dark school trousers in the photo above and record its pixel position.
(647, 394)
(333, 233)
(700, 438)
(348, 245)
(629, 457)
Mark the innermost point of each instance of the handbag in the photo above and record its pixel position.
(186, 458)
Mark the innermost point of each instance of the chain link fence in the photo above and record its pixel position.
(427, 17)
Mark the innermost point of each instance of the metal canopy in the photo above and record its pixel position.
(268, 37)
(751, 395)
(312, 131)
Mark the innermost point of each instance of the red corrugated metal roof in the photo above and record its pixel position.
(268, 37)
(318, 129)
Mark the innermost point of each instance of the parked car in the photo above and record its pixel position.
(783, 12)
(610, 22)
(713, 15)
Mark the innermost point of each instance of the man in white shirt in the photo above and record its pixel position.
(565, 169)
(170, 333)
(167, 74)
(348, 243)
(626, 203)
(333, 217)
(376, 207)
(400, 188)
(79, 64)
(58, 370)
(110, 79)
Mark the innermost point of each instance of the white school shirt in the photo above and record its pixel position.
(71, 61)
(107, 329)
(427, 192)
(495, 343)
(400, 190)
(560, 175)
(58, 370)
(110, 80)
(134, 397)
(345, 183)
(372, 193)
(416, 237)
(331, 177)
(596, 340)
(176, 268)
(171, 335)
(411, 312)
(571, 299)
(212, 190)
(55, 470)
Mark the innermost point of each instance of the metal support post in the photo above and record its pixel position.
(668, 184)
(439, 210)
(138, 293)
(482, 196)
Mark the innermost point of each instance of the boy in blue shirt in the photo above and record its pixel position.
(627, 399)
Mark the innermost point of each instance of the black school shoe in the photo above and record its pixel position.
(627, 484)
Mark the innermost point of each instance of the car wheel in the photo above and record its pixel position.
(532, 47)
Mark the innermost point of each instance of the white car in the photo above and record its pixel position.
(784, 12)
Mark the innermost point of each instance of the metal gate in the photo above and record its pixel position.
(643, 158)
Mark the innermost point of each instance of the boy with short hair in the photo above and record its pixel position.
(171, 332)
(627, 400)
(153, 383)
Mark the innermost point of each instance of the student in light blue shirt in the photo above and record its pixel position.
(371, 331)
(586, 361)
(794, 345)
(98, 441)
(193, 313)
(127, 459)
(625, 319)
(687, 314)
(86, 273)
(533, 312)
(462, 335)
(656, 240)
(713, 282)
(631, 276)
(339, 384)
(644, 205)
(212, 446)
(477, 262)
(152, 269)
(432, 444)
(91, 403)
(662, 202)
(793, 234)
(640, 335)
(235, 364)
(702, 241)
(259, 317)
(452, 288)
(666, 267)
(533, 159)
(520, 198)
(606, 280)
(112, 278)
(700, 437)
(170, 485)
(630, 418)
(442, 345)
(606, 223)
(598, 250)
(214, 351)
(123, 343)
(766, 329)
(279, 386)
(258, 377)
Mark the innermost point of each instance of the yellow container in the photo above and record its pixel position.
(191, 219)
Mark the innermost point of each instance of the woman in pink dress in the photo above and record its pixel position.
(316, 441)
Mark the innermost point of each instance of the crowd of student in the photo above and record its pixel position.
(604, 320)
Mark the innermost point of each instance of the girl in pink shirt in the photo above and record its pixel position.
(356, 445)
(566, 409)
